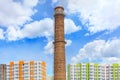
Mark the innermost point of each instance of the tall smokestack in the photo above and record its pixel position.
(59, 45)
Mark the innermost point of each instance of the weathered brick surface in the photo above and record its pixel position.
(59, 45)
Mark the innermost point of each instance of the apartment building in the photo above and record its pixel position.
(26, 70)
(92, 71)
(2, 72)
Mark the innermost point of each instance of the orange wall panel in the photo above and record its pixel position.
(20, 70)
(43, 71)
(11, 71)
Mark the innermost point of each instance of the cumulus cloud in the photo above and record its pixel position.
(41, 28)
(13, 33)
(69, 42)
(98, 15)
(1, 34)
(32, 30)
(106, 51)
(70, 26)
(38, 28)
(16, 13)
(48, 49)
(45, 28)
(17, 20)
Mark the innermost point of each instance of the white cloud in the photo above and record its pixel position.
(40, 28)
(45, 28)
(1, 34)
(70, 26)
(69, 42)
(107, 51)
(35, 29)
(101, 14)
(16, 13)
(48, 49)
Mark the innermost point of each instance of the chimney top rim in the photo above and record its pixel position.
(59, 7)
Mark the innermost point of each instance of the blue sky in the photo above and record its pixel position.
(92, 31)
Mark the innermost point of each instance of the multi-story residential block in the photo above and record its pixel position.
(2, 72)
(92, 71)
(26, 70)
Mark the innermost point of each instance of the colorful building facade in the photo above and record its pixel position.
(26, 70)
(92, 71)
